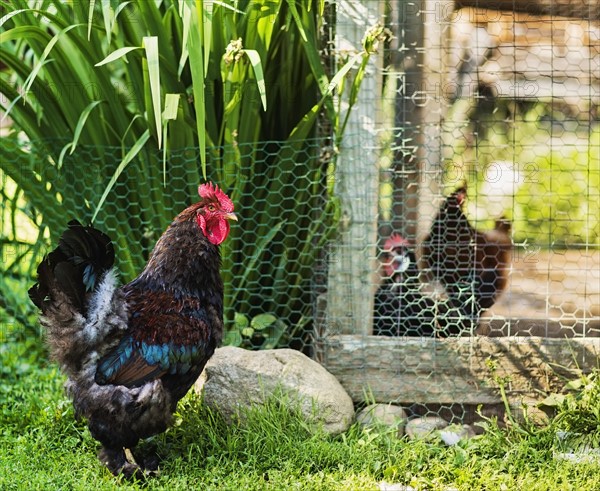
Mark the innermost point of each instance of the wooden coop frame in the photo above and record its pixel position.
(421, 370)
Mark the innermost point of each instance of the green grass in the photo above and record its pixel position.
(42, 447)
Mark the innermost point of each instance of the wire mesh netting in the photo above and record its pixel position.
(280, 197)
(480, 226)
(463, 206)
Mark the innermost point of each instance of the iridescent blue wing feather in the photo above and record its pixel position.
(159, 343)
(134, 363)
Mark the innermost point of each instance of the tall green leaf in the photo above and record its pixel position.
(197, 70)
(78, 129)
(254, 58)
(167, 95)
(151, 48)
(124, 163)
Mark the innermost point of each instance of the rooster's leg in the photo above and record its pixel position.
(147, 459)
(116, 462)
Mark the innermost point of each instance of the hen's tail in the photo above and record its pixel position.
(67, 292)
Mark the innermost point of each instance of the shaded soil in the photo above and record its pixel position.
(550, 293)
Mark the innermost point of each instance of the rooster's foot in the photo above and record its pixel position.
(147, 458)
(121, 463)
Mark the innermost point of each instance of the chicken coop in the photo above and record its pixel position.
(498, 100)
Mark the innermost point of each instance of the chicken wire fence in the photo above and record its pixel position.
(501, 106)
(468, 252)
(280, 195)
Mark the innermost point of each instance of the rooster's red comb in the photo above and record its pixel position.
(210, 191)
(395, 240)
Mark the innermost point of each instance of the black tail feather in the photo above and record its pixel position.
(74, 267)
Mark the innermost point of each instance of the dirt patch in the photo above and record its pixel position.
(550, 293)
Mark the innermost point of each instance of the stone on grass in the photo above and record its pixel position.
(387, 486)
(578, 454)
(453, 434)
(528, 410)
(235, 379)
(387, 415)
(424, 426)
(581, 456)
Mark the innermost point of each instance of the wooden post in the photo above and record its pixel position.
(419, 61)
(436, 30)
(353, 265)
(406, 56)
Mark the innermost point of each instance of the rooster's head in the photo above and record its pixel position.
(213, 213)
(397, 255)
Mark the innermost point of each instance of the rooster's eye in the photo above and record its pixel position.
(211, 208)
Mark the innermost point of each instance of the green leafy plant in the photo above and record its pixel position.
(119, 109)
(571, 428)
(263, 331)
(577, 409)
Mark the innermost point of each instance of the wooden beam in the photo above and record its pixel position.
(418, 55)
(352, 259)
(453, 370)
(433, 108)
(581, 9)
(407, 62)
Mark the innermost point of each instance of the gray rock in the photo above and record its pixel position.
(386, 486)
(585, 456)
(235, 379)
(579, 454)
(383, 415)
(453, 434)
(528, 410)
(424, 426)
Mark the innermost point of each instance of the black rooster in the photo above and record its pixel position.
(132, 353)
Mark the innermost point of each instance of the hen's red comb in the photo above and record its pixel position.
(461, 195)
(211, 191)
(395, 240)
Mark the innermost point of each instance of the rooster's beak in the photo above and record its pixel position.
(230, 216)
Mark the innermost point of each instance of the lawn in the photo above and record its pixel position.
(42, 447)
